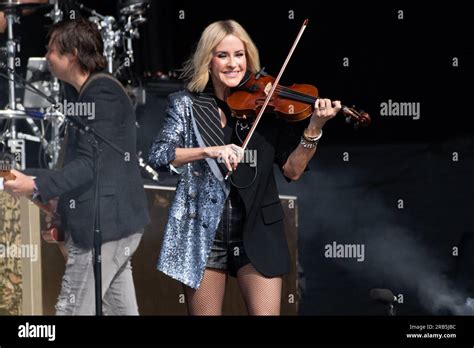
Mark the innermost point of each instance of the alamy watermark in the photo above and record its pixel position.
(5, 166)
(249, 157)
(28, 330)
(84, 109)
(345, 251)
(29, 251)
(394, 108)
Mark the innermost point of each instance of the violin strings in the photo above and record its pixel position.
(307, 98)
(299, 96)
(287, 92)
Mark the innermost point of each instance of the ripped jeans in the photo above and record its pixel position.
(77, 295)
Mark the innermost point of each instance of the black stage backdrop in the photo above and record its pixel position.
(359, 53)
(400, 188)
(400, 192)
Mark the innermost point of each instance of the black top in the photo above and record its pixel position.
(230, 124)
(229, 138)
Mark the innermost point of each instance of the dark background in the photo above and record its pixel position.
(408, 250)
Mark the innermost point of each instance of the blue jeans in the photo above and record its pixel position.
(77, 295)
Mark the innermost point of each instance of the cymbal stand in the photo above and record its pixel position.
(56, 16)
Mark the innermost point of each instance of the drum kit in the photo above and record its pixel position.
(46, 124)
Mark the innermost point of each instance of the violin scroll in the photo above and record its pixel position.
(359, 118)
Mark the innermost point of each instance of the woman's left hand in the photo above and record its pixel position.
(324, 110)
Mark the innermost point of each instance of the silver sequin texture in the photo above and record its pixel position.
(195, 213)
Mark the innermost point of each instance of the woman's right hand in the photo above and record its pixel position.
(230, 154)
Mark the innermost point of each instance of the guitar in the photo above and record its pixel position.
(53, 233)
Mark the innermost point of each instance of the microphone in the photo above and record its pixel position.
(386, 297)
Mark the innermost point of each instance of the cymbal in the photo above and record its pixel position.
(11, 6)
(133, 7)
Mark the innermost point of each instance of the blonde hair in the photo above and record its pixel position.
(196, 69)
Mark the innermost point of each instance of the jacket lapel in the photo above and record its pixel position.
(206, 124)
(208, 120)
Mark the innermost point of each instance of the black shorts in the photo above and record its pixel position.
(227, 252)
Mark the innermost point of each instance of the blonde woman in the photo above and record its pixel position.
(216, 228)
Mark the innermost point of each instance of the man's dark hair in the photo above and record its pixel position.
(83, 36)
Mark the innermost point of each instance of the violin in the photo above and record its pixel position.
(293, 103)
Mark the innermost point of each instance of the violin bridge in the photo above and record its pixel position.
(268, 88)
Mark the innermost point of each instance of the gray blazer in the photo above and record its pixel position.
(195, 213)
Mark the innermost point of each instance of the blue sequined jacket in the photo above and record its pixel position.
(195, 213)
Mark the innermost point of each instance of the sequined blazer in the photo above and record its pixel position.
(201, 193)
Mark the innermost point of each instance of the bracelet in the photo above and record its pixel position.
(308, 144)
(312, 139)
(36, 192)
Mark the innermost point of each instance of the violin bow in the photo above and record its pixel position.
(275, 85)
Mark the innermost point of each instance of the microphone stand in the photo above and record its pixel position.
(391, 310)
(93, 137)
